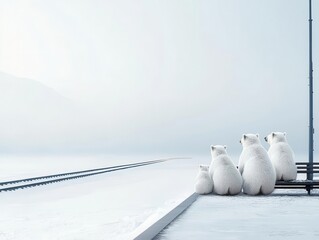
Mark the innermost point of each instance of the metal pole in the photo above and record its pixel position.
(311, 129)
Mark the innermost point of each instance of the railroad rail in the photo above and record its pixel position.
(42, 180)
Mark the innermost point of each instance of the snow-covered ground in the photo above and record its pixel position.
(282, 215)
(113, 205)
(107, 206)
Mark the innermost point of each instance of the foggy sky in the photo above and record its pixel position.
(153, 76)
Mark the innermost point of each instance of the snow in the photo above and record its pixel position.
(106, 206)
(113, 205)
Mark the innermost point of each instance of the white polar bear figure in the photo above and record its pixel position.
(259, 175)
(281, 156)
(226, 178)
(203, 183)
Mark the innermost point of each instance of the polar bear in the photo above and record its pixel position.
(281, 156)
(203, 183)
(226, 178)
(259, 175)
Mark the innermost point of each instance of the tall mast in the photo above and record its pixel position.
(311, 129)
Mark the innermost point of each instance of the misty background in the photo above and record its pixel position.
(169, 77)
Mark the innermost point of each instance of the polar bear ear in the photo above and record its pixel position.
(212, 147)
(244, 136)
(225, 146)
(273, 134)
(257, 135)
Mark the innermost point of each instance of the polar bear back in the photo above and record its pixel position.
(203, 182)
(259, 175)
(282, 157)
(221, 160)
(226, 178)
(254, 151)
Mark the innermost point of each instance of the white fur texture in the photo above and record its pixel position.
(226, 178)
(281, 156)
(259, 175)
(203, 184)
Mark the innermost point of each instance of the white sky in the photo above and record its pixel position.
(192, 72)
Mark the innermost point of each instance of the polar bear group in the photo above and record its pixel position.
(257, 170)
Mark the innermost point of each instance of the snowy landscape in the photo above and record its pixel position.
(113, 205)
(97, 84)
(107, 206)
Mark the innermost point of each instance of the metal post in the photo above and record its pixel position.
(311, 129)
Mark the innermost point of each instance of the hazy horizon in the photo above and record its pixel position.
(138, 77)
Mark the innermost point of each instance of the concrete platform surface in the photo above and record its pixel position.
(282, 215)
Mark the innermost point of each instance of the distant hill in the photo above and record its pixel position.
(33, 115)
(25, 95)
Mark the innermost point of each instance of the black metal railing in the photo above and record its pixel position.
(307, 184)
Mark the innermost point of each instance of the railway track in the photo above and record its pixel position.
(48, 179)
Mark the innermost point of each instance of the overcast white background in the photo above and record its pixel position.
(153, 76)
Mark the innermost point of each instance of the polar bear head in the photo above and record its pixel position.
(249, 139)
(203, 168)
(203, 172)
(276, 137)
(218, 150)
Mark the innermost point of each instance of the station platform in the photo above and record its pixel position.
(282, 215)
